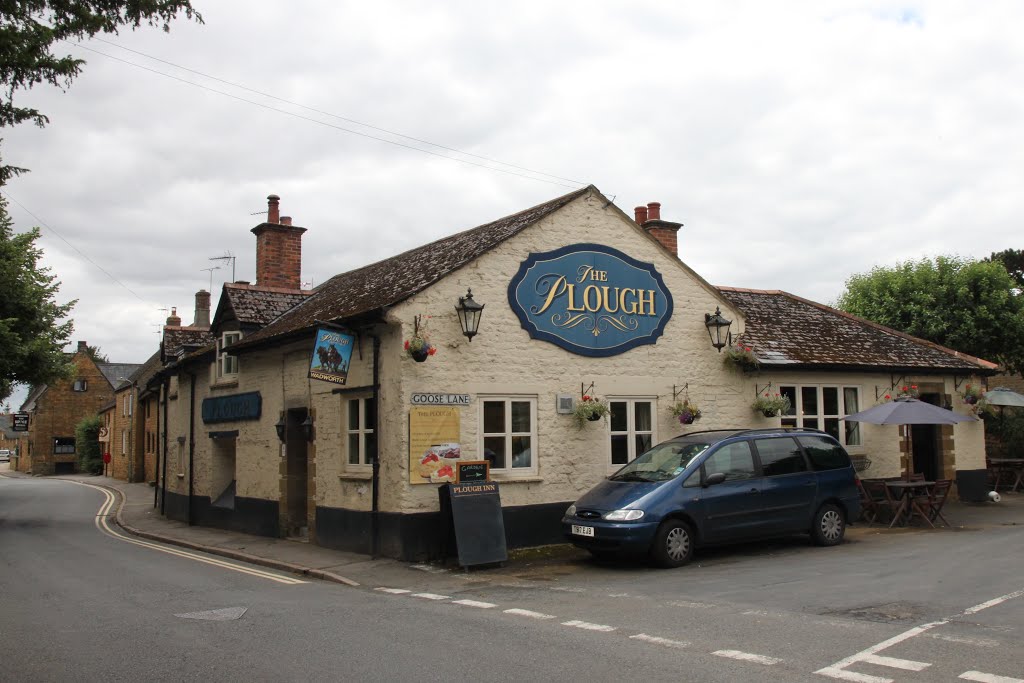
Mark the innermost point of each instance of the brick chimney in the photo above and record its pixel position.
(202, 309)
(83, 347)
(666, 232)
(278, 249)
(173, 320)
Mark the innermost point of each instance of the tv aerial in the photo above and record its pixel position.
(228, 256)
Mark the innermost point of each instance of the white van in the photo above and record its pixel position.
(5, 455)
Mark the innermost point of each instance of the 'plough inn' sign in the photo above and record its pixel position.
(590, 299)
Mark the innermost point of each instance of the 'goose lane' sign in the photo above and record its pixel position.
(590, 299)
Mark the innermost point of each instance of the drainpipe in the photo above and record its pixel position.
(166, 389)
(375, 482)
(156, 465)
(191, 440)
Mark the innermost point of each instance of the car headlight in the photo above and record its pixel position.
(571, 511)
(624, 515)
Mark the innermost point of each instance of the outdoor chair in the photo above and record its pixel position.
(869, 510)
(882, 503)
(937, 498)
(916, 476)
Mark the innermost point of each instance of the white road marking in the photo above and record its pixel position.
(568, 590)
(988, 678)
(678, 644)
(393, 591)
(838, 670)
(588, 626)
(475, 603)
(747, 657)
(966, 640)
(905, 664)
(103, 524)
(430, 596)
(698, 605)
(529, 613)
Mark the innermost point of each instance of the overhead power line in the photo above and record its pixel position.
(344, 129)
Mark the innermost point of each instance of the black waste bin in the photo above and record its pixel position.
(972, 485)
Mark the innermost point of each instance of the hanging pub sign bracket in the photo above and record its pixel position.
(758, 391)
(587, 391)
(676, 391)
(957, 381)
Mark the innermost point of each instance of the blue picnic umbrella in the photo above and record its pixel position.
(1002, 396)
(908, 411)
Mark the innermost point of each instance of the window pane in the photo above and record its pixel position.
(790, 393)
(353, 414)
(353, 449)
(521, 453)
(780, 456)
(370, 446)
(824, 454)
(811, 423)
(494, 450)
(369, 413)
(620, 417)
(520, 417)
(734, 460)
(642, 418)
(830, 400)
(789, 422)
(494, 419)
(643, 444)
(832, 426)
(852, 433)
(850, 401)
(810, 397)
(620, 449)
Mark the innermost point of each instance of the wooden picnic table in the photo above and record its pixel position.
(908, 505)
(1016, 468)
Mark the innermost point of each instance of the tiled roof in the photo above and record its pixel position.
(177, 339)
(117, 373)
(256, 305)
(786, 330)
(395, 279)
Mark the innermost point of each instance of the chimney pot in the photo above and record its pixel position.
(286, 220)
(654, 211)
(641, 214)
(202, 318)
(173, 320)
(273, 212)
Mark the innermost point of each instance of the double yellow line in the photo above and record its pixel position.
(103, 524)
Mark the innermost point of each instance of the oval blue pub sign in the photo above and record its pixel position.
(590, 299)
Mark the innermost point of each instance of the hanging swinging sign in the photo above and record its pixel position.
(331, 356)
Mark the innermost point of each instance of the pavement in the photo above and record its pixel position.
(136, 514)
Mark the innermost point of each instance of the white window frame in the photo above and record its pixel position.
(227, 364)
(361, 430)
(797, 420)
(509, 472)
(124, 442)
(631, 432)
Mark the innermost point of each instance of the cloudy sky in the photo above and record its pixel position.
(798, 146)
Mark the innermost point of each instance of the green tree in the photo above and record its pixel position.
(969, 306)
(29, 29)
(87, 445)
(96, 355)
(32, 335)
(1013, 259)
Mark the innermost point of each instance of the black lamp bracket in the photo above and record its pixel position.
(957, 381)
(588, 390)
(760, 390)
(679, 390)
(894, 382)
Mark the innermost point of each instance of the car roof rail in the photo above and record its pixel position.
(759, 430)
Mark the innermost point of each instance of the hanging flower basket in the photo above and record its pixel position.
(589, 409)
(771, 405)
(972, 395)
(686, 412)
(740, 357)
(419, 349)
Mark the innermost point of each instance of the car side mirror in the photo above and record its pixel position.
(713, 479)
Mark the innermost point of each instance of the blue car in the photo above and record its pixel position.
(719, 486)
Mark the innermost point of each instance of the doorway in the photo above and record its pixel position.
(295, 522)
(924, 442)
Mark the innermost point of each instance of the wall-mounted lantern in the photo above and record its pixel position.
(280, 427)
(469, 314)
(718, 329)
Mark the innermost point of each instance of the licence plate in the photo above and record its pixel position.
(582, 530)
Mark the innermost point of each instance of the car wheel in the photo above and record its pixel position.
(673, 544)
(828, 526)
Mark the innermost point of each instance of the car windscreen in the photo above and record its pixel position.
(664, 461)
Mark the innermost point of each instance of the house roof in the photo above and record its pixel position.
(787, 330)
(117, 373)
(178, 340)
(395, 279)
(256, 305)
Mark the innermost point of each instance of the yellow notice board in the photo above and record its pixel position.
(433, 444)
